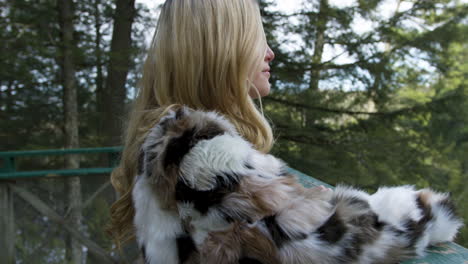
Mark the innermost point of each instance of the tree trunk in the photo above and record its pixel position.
(99, 64)
(375, 91)
(312, 94)
(73, 186)
(319, 45)
(7, 225)
(115, 91)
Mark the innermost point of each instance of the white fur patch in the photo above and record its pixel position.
(218, 156)
(266, 165)
(446, 225)
(395, 205)
(212, 221)
(156, 229)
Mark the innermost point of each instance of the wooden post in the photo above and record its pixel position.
(7, 226)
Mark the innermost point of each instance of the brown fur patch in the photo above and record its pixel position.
(257, 246)
(165, 189)
(258, 197)
(425, 196)
(221, 247)
(236, 242)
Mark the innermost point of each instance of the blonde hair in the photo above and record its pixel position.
(202, 56)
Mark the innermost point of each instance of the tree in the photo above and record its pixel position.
(74, 253)
(115, 92)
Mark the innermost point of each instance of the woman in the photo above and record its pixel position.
(208, 55)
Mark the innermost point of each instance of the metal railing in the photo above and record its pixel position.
(8, 170)
(10, 177)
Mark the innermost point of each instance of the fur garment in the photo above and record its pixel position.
(204, 195)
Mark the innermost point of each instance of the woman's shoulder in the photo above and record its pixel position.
(185, 130)
(201, 145)
(183, 125)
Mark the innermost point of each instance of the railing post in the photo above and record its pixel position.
(7, 225)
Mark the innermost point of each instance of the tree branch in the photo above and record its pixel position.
(398, 112)
(317, 108)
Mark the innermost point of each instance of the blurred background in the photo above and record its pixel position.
(364, 92)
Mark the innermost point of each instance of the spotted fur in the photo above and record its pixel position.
(205, 195)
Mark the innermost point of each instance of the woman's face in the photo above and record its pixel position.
(261, 79)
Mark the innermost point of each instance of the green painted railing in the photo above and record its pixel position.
(445, 253)
(8, 169)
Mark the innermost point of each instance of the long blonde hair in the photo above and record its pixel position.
(202, 56)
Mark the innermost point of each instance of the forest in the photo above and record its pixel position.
(368, 93)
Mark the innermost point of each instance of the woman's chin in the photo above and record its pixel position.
(260, 91)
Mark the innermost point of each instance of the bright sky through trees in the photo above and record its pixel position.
(387, 8)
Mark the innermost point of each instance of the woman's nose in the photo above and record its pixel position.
(270, 55)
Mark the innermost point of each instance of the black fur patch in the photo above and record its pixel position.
(203, 200)
(396, 231)
(154, 145)
(228, 218)
(369, 227)
(185, 247)
(141, 159)
(415, 229)
(358, 202)
(246, 260)
(354, 250)
(284, 171)
(368, 220)
(277, 233)
(143, 254)
(248, 166)
(180, 113)
(379, 225)
(150, 158)
(333, 229)
(449, 206)
(426, 211)
(164, 124)
(209, 131)
(178, 147)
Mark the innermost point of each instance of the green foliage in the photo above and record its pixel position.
(391, 107)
